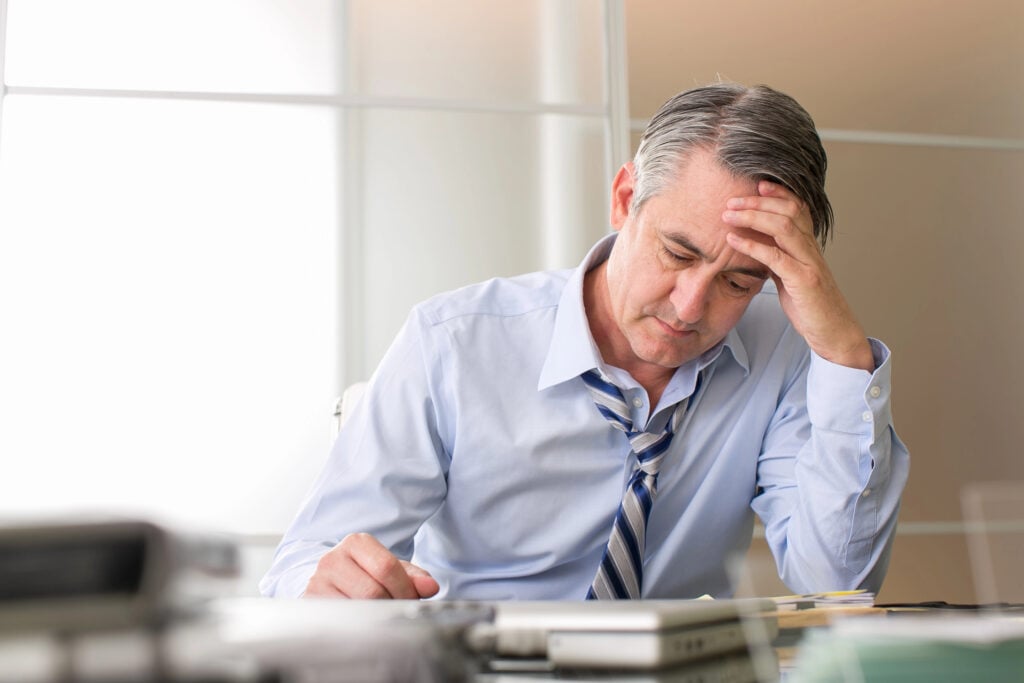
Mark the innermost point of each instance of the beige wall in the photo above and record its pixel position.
(930, 215)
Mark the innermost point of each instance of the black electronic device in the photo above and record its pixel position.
(85, 575)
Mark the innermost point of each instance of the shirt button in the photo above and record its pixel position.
(875, 392)
(866, 416)
(866, 493)
(638, 402)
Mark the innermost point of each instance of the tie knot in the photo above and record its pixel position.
(610, 401)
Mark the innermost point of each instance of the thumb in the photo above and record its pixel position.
(425, 584)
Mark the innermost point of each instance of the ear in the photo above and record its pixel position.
(622, 195)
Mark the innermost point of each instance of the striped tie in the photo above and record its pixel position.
(621, 572)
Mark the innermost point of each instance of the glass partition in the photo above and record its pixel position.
(215, 215)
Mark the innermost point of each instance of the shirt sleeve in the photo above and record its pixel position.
(385, 474)
(830, 476)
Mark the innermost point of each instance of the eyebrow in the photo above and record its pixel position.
(685, 243)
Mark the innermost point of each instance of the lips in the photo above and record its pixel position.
(673, 331)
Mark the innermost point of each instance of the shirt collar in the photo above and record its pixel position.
(572, 350)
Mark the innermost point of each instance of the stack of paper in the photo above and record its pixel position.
(854, 598)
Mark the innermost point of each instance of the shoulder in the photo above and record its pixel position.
(508, 297)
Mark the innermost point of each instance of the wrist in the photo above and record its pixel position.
(857, 355)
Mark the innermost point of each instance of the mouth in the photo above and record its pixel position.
(674, 332)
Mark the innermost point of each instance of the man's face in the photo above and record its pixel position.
(675, 287)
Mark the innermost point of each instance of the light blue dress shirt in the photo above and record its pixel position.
(478, 453)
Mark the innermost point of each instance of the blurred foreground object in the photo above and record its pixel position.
(931, 648)
(134, 601)
(86, 576)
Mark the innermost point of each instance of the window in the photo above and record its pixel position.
(215, 214)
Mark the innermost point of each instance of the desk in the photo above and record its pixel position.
(260, 641)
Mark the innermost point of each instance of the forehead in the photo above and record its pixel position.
(701, 179)
(688, 210)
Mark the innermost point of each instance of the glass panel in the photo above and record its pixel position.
(526, 51)
(451, 199)
(994, 512)
(166, 287)
(191, 45)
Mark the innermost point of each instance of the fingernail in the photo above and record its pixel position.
(729, 216)
(735, 203)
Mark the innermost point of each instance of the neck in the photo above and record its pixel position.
(611, 343)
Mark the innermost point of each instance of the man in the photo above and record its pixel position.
(609, 432)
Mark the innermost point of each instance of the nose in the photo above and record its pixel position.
(689, 298)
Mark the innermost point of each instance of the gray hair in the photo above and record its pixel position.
(755, 132)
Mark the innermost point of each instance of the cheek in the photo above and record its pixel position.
(636, 285)
(652, 292)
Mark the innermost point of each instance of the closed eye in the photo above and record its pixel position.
(737, 287)
(742, 285)
(678, 258)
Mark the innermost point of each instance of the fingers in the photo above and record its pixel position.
(767, 253)
(775, 211)
(360, 567)
(775, 205)
(768, 189)
(775, 228)
(425, 584)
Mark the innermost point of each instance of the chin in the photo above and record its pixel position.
(663, 357)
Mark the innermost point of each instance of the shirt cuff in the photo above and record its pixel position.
(851, 400)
